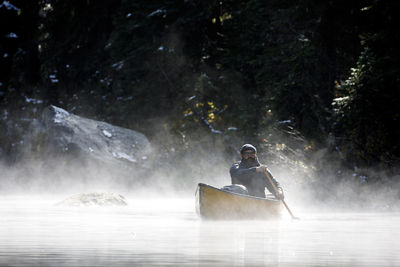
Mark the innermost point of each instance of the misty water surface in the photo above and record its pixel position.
(35, 232)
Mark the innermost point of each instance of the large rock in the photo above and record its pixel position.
(95, 199)
(59, 132)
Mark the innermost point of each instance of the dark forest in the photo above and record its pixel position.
(320, 78)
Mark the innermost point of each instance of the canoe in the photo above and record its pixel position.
(216, 204)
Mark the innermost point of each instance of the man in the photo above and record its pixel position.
(251, 174)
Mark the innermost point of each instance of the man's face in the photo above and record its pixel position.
(249, 158)
(249, 154)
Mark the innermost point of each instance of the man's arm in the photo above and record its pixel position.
(278, 193)
(238, 174)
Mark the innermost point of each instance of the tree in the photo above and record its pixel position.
(367, 115)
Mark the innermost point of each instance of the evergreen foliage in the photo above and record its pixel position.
(367, 115)
(229, 69)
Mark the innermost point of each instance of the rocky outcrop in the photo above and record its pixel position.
(58, 132)
(95, 199)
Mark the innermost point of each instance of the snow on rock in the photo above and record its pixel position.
(12, 35)
(9, 6)
(59, 114)
(95, 199)
(119, 155)
(157, 12)
(33, 100)
(62, 133)
(107, 134)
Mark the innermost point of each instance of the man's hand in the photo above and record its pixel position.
(261, 168)
(279, 194)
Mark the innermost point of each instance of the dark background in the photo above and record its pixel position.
(196, 76)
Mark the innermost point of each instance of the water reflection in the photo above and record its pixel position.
(168, 232)
(240, 242)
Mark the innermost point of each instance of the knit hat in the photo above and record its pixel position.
(246, 147)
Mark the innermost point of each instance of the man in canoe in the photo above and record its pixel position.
(253, 175)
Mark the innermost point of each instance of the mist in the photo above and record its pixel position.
(113, 112)
(342, 221)
(173, 168)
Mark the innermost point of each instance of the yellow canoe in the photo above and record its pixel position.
(214, 203)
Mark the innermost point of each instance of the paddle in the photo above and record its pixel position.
(276, 193)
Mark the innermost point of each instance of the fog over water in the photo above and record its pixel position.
(159, 226)
(166, 231)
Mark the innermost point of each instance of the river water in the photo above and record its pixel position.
(35, 232)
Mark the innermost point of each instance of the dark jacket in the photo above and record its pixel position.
(255, 182)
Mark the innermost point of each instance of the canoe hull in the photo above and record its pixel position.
(216, 204)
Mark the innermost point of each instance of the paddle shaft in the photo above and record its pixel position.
(276, 193)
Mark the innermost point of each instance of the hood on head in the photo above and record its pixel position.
(246, 147)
